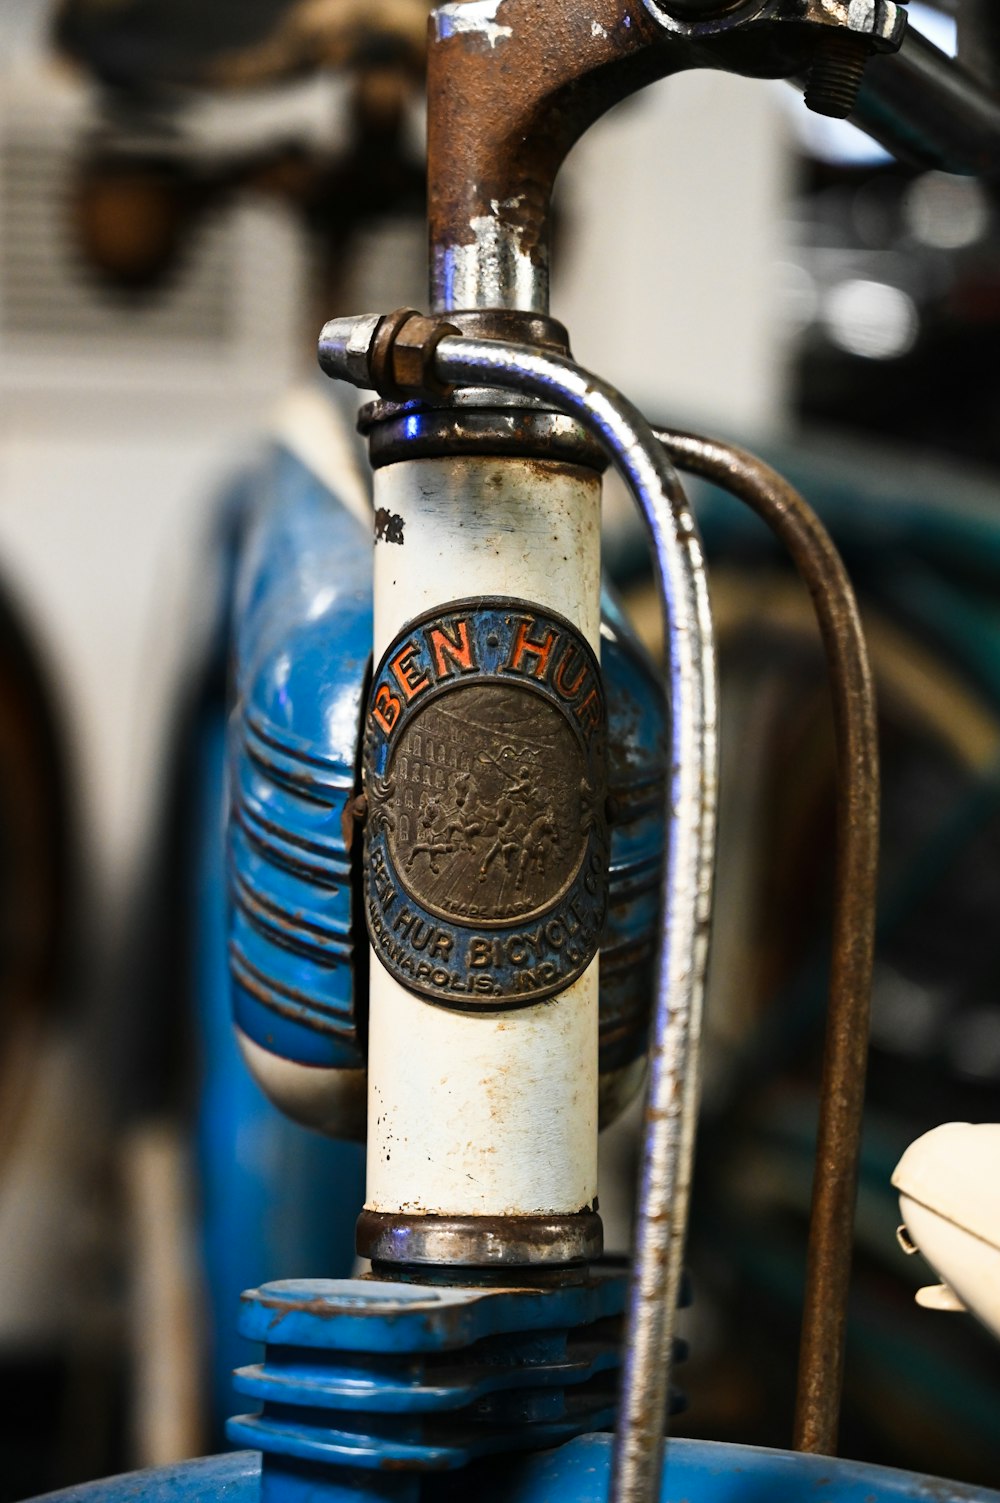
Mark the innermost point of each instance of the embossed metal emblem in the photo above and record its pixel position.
(486, 845)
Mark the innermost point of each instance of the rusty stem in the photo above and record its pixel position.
(508, 96)
(824, 1318)
(512, 85)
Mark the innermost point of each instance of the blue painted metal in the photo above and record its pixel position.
(697, 1471)
(399, 1379)
(303, 642)
(706, 1472)
(638, 756)
(231, 1478)
(258, 1172)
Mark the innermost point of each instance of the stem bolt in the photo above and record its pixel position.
(836, 73)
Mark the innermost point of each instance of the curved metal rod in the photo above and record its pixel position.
(831, 1227)
(668, 1143)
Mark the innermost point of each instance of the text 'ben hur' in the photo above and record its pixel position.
(537, 651)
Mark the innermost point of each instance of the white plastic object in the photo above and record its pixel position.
(949, 1184)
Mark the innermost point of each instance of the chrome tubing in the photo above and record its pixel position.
(668, 1147)
(845, 1053)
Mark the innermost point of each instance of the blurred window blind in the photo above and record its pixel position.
(46, 290)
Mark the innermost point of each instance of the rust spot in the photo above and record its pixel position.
(354, 815)
(502, 119)
(388, 527)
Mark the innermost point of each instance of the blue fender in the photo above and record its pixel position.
(258, 1170)
(697, 1471)
(303, 644)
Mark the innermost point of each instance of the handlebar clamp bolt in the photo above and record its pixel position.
(836, 73)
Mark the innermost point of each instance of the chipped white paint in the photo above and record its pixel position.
(861, 15)
(478, 17)
(484, 1114)
(488, 527)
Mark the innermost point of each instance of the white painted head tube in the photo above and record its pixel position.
(484, 1114)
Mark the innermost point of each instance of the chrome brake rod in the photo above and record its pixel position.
(672, 1104)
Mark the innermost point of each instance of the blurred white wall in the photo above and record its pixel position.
(675, 207)
(117, 428)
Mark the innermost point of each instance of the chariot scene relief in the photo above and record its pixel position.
(491, 807)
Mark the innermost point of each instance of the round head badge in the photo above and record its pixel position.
(486, 847)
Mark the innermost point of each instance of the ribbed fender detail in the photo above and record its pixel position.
(303, 643)
(639, 756)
